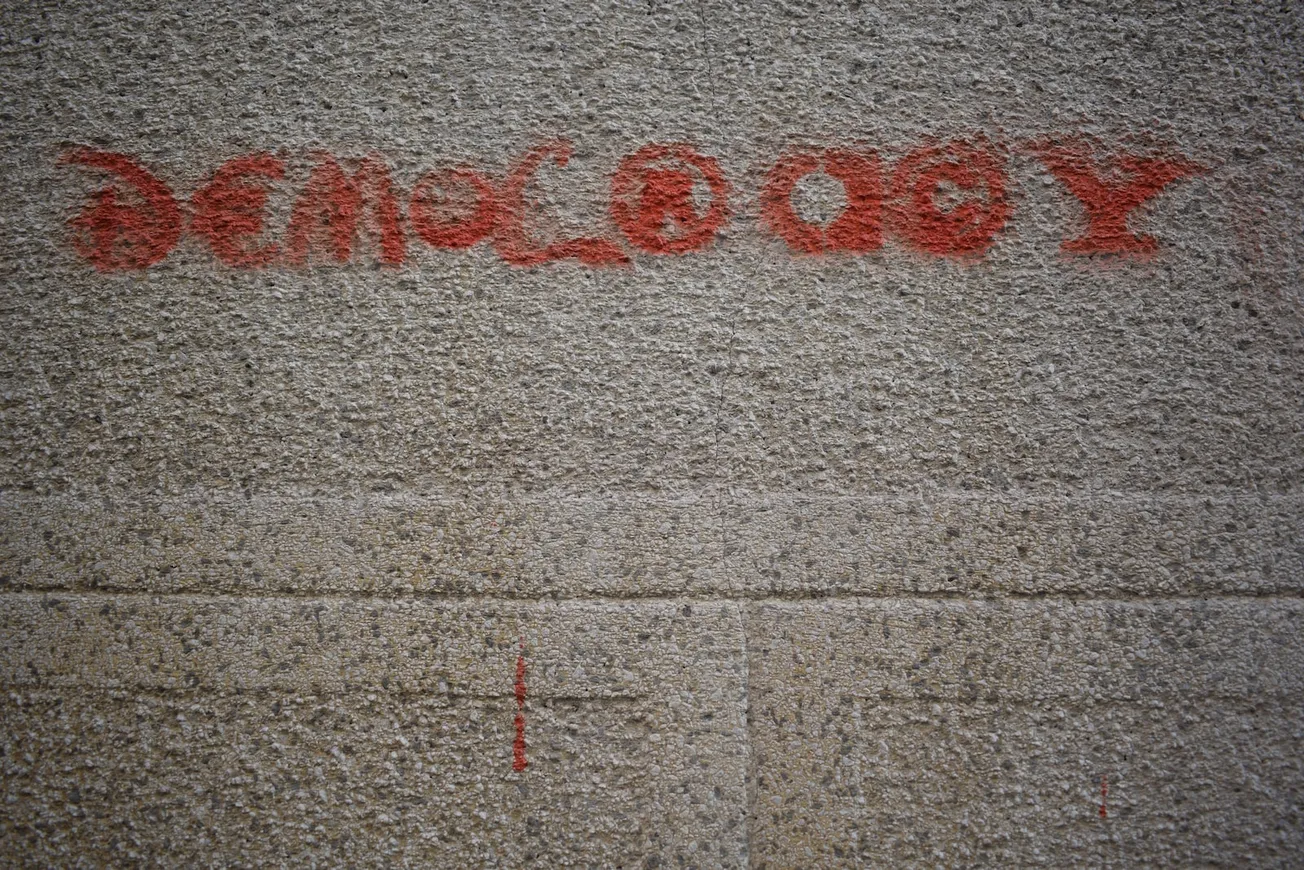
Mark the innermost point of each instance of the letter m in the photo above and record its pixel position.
(326, 215)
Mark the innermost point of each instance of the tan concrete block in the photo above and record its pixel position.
(209, 732)
(624, 544)
(893, 733)
(742, 364)
(1096, 545)
(558, 544)
(856, 782)
(1043, 380)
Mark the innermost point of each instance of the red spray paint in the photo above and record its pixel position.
(652, 199)
(453, 208)
(1104, 793)
(518, 746)
(511, 239)
(1110, 193)
(331, 205)
(228, 211)
(113, 234)
(950, 199)
(860, 226)
(945, 199)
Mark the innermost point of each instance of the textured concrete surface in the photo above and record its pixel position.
(358, 732)
(878, 559)
(956, 733)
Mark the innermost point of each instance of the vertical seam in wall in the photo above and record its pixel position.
(749, 770)
(706, 51)
(722, 473)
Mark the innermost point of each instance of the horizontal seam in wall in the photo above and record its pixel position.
(796, 597)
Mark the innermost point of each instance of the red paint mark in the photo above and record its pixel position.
(518, 746)
(228, 211)
(1104, 793)
(860, 226)
(331, 204)
(950, 199)
(453, 208)
(511, 239)
(946, 199)
(652, 199)
(114, 233)
(1110, 193)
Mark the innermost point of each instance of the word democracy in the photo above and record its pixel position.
(947, 199)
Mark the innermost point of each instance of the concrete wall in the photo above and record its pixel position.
(894, 555)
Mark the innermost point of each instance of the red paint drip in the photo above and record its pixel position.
(1104, 793)
(518, 746)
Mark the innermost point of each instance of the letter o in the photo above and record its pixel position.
(858, 229)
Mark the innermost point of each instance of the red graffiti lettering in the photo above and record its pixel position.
(453, 208)
(228, 211)
(511, 239)
(518, 745)
(858, 229)
(113, 232)
(645, 197)
(1104, 794)
(331, 203)
(950, 199)
(1109, 196)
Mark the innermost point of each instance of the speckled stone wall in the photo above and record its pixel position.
(436, 487)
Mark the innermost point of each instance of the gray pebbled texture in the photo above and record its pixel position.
(256, 527)
(206, 732)
(891, 733)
